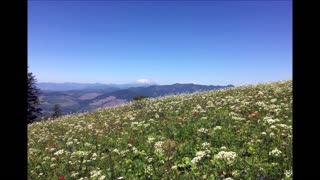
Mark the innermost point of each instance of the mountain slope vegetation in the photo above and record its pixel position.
(235, 133)
(77, 101)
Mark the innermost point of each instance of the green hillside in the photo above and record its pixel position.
(237, 133)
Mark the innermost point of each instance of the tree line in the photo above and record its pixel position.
(33, 101)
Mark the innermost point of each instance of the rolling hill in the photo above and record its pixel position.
(74, 101)
(236, 133)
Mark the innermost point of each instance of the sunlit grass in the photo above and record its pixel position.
(237, 133)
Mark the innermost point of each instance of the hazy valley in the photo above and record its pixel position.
(76, 97)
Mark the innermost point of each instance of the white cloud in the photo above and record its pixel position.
(144, 81)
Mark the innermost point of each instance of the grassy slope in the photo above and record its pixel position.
(164, 138)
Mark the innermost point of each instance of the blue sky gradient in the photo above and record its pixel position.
(203, 42)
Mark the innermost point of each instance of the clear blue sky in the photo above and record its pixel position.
(204, 42)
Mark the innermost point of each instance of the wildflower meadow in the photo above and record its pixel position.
(236, 133)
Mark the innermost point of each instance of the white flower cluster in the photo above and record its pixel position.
(270, 120)
(116, 151)
(288, 173)
(228, 156)
(69, 143)
(271, 134)
(95, 173)
(135, 124)
(276, 152)
(223, 148)
(261, 104)
(198, 107)
(236, 118)
(148, 169)
(284, 126)
(156, 116)
(78, 126)
(149, 159)
(59, 152)
(74, 174)
(210, 104)
(33, 151)
(203, 130)
(200, 155)
(79, 153)
(217, 128)
(158, 146)
(205, 145)
(124, 152)
(94, 156)
(273, 100)
(150, 139)
(84, 178)
(90, 126)
(204, 118)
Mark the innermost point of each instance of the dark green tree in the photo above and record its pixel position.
(33, 111)
(137, 98)
(56, 111)
(138, 103)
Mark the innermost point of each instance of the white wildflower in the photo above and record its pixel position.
(195, 160)
(288, 173)
(200, 155)
(203, 130)
(148, 169)
(74, 174)
(223, 148)
(46, 158)
(204, 118)
(209, 104)
(158, 146)
(271, 134)
(150, 139)
(276, 152)
(227, 156)
(116, 151)
(95, 173)
(217, 128)
(198, 107)
(59, 152)
(205, 145)
(156, 116)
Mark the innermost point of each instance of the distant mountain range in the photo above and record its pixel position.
(87, 86)
(86, 97)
